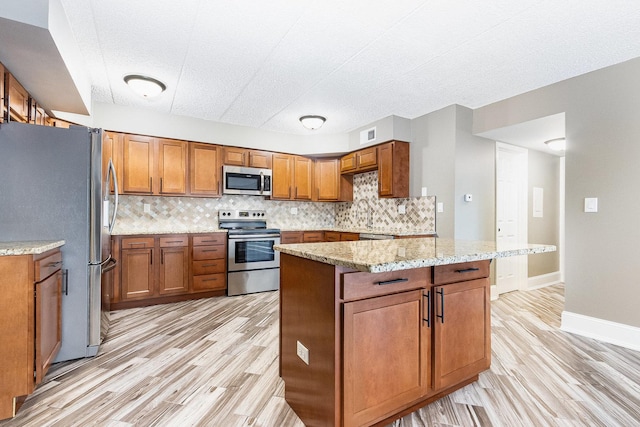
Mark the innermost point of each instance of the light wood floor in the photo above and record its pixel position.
(214, 362)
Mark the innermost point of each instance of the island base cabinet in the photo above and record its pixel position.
(386, 356)
(461, 331)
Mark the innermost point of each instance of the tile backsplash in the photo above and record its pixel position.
(186, 213)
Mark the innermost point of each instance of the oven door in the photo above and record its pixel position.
(253, 252)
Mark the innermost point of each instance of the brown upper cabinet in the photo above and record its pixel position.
(393, 169)
(292, 177)
(364, 160)
(18, 100)
(204, 169)
(330, 185)
(153, 165)
(243, 157)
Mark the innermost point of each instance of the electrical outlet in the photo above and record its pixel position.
(402, 209)
(440, 207)
(294, 211)
(424, 191)
(302, 352)
(147, 208)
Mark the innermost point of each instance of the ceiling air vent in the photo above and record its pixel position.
(368, 135)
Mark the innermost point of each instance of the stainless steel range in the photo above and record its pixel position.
(252, 263)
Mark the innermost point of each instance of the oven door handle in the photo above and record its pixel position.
(249, 237)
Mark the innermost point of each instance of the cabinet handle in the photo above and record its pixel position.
(151, 252)
(161, 256)
(174, 241)
(137, 243)
(467, 270)
(54, 264)
(441, 315)
(209, 280)
(210, 250)
(289, 194)
(65, 279)
(151, 184)
(208, 265)
(208, 241)
(390, 282)
(428, 319)
(160, 185)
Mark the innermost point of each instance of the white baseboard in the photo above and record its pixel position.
(543, 280)
(602, 330)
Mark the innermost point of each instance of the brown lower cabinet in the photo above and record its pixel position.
(380, 345)
(30, 315)
(158, 269)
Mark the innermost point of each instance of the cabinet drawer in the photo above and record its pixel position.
(208, 266)
(360, 285)
(210, 239)
(452, 273)
(290, 237)
(210, 282)
(45, 267)
(173, 241)
(137, 242)
(313, 236)
(209, 252)
(331, 236)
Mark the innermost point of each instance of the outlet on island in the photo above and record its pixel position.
(294, 211)
(303, 352)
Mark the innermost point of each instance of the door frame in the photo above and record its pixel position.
(522, 211)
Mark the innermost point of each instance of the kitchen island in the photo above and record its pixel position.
(373, 330)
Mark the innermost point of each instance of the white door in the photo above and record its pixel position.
(511, 215)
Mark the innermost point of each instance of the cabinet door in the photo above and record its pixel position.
(386, 355)
(204, 169)
(282, 174)
(137, 170)
(393, 169)
(18, 100)
(367, 159)
(313, 236)
(385, 170)
(174, 270)
(303, 178)
(172, 166)
(48, 323)
(234, 156)
(348, 163)
(462, 331)
(327, 175)
(137, 273)
(260, 159)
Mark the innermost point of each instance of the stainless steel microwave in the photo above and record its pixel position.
(242, 180)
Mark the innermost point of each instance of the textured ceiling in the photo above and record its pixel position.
(265, 63)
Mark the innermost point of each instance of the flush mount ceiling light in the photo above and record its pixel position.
(147, 87)
(312, 122)
(557, 144)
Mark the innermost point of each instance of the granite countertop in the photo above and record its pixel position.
(377, 256)
(32, 247)
(387, 231)
(173, 228)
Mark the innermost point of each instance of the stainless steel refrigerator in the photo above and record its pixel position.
(53, 187)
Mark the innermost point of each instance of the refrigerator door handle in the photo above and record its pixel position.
(112, 173)
(109, 264)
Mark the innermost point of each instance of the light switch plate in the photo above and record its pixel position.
(424, 191)
(591, 204)
(440, 207)
(147, 208)
(402, 209)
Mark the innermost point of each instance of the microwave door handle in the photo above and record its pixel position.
(261, 182)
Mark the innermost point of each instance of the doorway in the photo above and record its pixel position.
(511, 214)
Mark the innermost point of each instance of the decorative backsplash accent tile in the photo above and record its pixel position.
(383, 214)
(181, 214)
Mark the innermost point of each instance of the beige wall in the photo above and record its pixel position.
(603, 150)
(544, 172)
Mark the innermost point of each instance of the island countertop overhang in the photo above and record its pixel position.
(377, 256)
